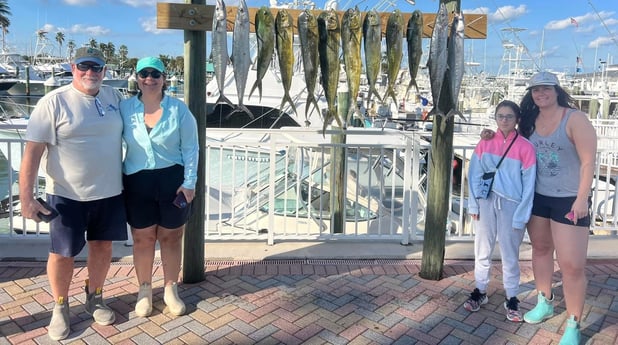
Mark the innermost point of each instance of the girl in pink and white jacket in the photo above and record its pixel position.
(504, 212)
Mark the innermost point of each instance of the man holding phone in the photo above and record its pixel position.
(160, 173)
(75, 133)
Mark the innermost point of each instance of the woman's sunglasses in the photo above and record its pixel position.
(154, 74)
(85, 67)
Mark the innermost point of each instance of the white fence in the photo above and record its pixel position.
(277, 185)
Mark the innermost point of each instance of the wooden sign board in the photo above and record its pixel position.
(199, 18)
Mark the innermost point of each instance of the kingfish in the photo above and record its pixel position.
(394, 51)
(351, 35)
(265, 35)
(284, 30)
(438, 57)
(455, 60)
(414, 37)
(330, 40)
(241, 58)
(372, 35)
(219, 48)
(309, 40)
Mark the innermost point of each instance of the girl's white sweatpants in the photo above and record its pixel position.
(496, 223)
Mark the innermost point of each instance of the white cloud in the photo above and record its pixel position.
(79, 29)
(80, 2)
(507, 13)
(601, 41)
(150, 25)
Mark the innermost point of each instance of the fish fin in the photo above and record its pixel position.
(241, 108)
(257, 85)
(288, 99)
(374, 91)
(311, 100)
(223, 99)
(454, 112)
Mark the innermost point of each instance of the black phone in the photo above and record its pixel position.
(180, 201)
(46, 217)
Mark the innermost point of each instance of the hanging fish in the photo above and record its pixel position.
(394, 51)
(455, 61)
(372, 35)
(330, 39)
(265, 35)
(309, 41)
(284, 30)
(241, 58)
(219, 48)
(438, 57)
(351, 35)
(414, 37)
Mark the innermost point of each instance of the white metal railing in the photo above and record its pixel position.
(276, 185)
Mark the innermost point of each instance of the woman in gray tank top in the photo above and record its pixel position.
(565, 145)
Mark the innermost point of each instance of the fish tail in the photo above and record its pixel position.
(241, 108)
(257, 85)
(374, 91)
(311, 100)
(336, 117)
(391, 92)
(223, 99)
(288, 99)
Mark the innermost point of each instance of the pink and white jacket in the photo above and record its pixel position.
(514, 179)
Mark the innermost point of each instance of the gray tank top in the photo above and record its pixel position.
(557, 162)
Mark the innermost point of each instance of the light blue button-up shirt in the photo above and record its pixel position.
(172, 141)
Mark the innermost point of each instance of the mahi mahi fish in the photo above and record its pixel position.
(241, 59)
(309, 40)
(265, 35)
(438, 57)
(455, 60)
(372, 35)
(284, 29)
(414, 36)
(351, 35)
(330, 40)
(219, 48)
(394, 51)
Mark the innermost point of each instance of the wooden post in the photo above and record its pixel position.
(432, 263)
(337, 169)
(195, 98)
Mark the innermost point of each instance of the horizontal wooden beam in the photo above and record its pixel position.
(199, 17)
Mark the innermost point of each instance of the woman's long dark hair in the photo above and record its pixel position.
(529, 110)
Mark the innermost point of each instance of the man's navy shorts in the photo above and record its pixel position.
(100, 220)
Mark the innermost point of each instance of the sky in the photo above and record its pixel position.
(557, 34)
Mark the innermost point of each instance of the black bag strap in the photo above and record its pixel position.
(507, 150)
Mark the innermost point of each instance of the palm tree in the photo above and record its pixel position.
(123, 52)
(71, 48)
(93, 43)
(5, 22)
(60, 40)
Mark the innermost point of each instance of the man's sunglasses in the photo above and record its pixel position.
(85, 67)
(154, 74)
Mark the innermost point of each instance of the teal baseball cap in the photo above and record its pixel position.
(150, 62)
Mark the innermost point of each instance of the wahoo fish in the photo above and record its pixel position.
(455, 60)
(219, 48)
(284, 29)
(309, 40)
(372, 34)
(265, 35)
(241, 59)
(394, 51)
(414, 36)
(328, 48)
(351, 35)
(438, 57)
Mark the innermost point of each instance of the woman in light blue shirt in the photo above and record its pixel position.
(160, 172)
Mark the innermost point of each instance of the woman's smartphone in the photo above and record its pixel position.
(180, 201)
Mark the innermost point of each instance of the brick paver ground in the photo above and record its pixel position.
(305, 302)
